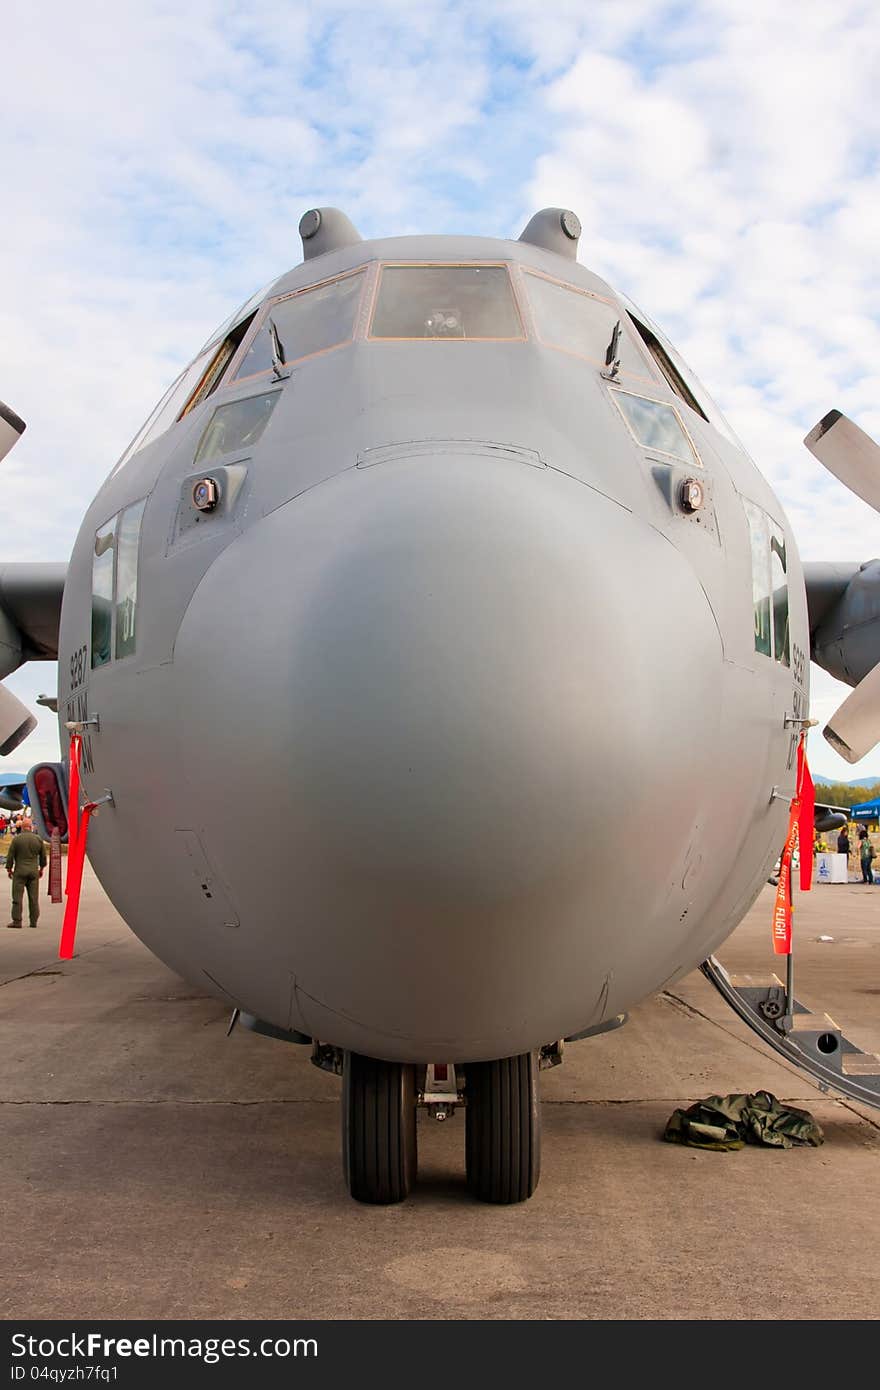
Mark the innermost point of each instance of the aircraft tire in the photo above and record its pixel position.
(503, 1129)
(378, 1129)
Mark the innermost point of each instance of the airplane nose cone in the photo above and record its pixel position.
(472, 704)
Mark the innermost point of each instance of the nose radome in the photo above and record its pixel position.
(432, 674)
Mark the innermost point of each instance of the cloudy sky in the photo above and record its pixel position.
(156, 158)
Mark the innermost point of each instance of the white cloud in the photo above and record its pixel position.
(730, 188)
(156, 158)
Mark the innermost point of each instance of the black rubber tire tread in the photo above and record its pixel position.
(378, 1129)
(503, 1128)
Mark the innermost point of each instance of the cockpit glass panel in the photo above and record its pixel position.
(572, 321)
(170, 406)
(127, 550)
(242, 312)
(779, 583)
(238, 425)
(102, 594)
(769, 584)
(762, 579)
(223, 355)
(201, 378)
(174, 402)
(445, 301)
(655, 426)
(312, 320)
(677, 372)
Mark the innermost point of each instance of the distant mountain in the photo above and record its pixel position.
(858, 782)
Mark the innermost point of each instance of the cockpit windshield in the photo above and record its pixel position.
(445, 301)
(309, 321)
(574, 320)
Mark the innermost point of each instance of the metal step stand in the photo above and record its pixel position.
(811, 1041)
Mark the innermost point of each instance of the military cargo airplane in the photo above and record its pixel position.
(433, 539)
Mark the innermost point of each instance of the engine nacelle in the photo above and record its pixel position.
(844, 604)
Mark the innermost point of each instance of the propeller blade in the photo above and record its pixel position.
(12, 427)
(854, 729)
(16, 721)
(848, 453)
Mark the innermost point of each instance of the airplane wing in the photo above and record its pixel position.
(30, 614)
(844, 599)
(829, 817)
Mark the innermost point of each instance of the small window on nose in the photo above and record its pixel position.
(656, 426)
(238, 425)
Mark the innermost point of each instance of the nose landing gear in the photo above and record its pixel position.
(502, 1125)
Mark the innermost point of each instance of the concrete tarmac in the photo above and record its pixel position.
(153, 1169)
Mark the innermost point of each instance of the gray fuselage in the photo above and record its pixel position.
(446, 733)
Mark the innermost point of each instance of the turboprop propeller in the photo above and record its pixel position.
(854, 458)
(16, 720)
(848, 453)
(855, 727)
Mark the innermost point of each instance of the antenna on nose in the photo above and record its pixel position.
(326, 229)
(554, 229)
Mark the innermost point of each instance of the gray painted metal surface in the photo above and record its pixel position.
(30, 613)
(445, 601)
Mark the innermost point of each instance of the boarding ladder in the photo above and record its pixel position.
(813, 1042)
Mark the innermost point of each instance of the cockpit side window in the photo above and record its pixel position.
(102, 593)
(115, 585)
(676, 371)
(769, 584)
(309, 321)
(759, 539)
(244, 311)
(167, 410)
(128, 539)
(192, 386)
(668, 367)
(446, 302)
(779, 585)
(217, 368)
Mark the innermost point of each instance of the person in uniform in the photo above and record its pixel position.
(866, 854)
(25, 862)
